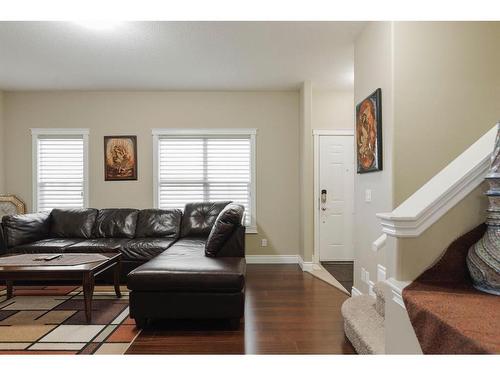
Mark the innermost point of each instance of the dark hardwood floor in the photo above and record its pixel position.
(287, 311)
(342, 271)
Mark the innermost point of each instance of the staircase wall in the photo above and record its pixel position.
(440, 93)
(416, 254)
(372, 70)
(446, 95)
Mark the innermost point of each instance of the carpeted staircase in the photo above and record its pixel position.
(364, 321)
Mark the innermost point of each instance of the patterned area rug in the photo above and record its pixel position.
(51, 320)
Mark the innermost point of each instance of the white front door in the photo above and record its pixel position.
(336, 192)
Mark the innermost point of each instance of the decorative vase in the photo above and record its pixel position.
(483, 259)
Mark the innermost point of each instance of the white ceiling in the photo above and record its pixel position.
(177, 55)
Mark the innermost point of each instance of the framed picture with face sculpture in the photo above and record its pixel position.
(369, 133)
(120, 158)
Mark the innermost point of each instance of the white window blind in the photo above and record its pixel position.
(60, 171)
(205, 168)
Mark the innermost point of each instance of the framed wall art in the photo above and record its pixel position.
(369, 133)
(120, 158)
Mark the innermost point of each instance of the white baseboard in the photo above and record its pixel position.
(280, 259)
(381, 273)
(371, 284)
(355, 292)
(272, 259)
(305, 266)
(396, 287)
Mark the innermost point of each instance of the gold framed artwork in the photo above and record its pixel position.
(120, 158)
(369, 133)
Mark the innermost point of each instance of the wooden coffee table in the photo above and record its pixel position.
(85, 273)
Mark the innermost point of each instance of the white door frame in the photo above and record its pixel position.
(316, 134)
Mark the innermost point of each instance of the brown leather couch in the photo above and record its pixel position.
(178, 265)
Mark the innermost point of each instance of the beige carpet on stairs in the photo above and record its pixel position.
(364, 321)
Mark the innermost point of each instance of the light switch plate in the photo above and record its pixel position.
(263, 242)
(368, 195)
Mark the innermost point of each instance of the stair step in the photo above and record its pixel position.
(379, 289)
(363, 325)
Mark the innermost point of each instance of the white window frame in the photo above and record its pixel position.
(35, 134)
(252, 133)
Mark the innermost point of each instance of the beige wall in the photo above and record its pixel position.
(446, 95)
(372, 70)
(274, 114)
(332, 109)
(441, 91)
(2, 148)
(319, 109)
(415, 255)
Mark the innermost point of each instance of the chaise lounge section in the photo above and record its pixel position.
(201, 276)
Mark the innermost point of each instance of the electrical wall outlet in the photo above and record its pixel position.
(263, 242)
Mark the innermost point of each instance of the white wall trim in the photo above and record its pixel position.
(305, 266)
(317, 132)
(371, 285)
(316, 197)
(316, 205)
(399, 334)
(204, 131)
(379, 243)
(442, 192)
(86, 182)
(355, 292)
(381, 273)
(38, 132)
(280, 259)
(272, 259)
(34, 171)
(156, 172)
(252, 133)
(396, 288)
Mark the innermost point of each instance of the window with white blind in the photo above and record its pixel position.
(205, 165)
(59, 168)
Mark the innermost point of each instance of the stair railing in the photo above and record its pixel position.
(417, 214)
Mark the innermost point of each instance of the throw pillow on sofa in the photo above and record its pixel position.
(198, 218)
(158, 223)
(227, 221)
(72, 223)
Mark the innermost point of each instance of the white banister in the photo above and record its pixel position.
(453, 183)
(379, 243)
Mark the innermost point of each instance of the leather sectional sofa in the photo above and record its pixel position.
(178, 265)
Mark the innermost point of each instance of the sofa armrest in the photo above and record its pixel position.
(235, 245)
(3, 244)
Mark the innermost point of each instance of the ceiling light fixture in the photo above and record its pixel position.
(99, 25)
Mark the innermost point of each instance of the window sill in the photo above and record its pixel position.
(251, 230)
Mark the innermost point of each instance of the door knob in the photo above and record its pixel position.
(323, 200)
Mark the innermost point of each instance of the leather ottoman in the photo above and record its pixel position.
(183, 283)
